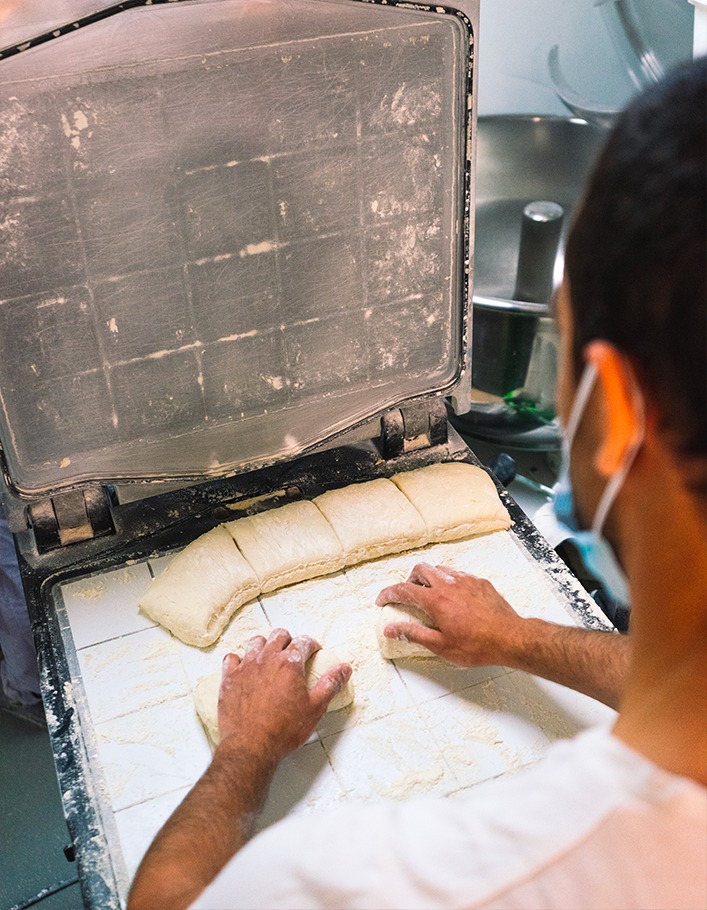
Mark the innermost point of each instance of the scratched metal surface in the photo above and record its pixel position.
(224, 238)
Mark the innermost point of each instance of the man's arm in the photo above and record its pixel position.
(475, 627)
(265, 712)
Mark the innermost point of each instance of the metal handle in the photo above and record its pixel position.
(539, 242)
(521, 307)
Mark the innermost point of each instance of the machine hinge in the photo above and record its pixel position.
(71, 518)
(415, 426)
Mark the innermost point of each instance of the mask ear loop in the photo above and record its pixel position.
(615, 483)
(584, 390)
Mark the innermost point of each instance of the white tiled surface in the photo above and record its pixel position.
(138, 825)
(197, 662)
(124, 675)
(151, 752)
(325, 608)
(428, 678)
(389, 758)
(561, 712)
(158, 565)
(416, 726)
(105, 606)
(484, 731)
(305, 782)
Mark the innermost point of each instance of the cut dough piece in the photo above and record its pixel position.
(287, 544)
(207, 689)
(201, 589)
(317, 666)
(372, 519)
(391, 647)
(206, 704)
(455, 500)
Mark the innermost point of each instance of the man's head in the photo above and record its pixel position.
(636, 258)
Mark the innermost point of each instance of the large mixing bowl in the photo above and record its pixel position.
(520, 159)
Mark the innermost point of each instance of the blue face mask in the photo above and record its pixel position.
(596, 551)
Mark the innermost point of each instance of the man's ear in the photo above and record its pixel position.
(622, 405)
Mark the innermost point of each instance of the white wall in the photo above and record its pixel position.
(515, 37)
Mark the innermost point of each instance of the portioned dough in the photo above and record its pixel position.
(288, 544)
(317, 666)
(390, 647)
(372, 519)
(207, 689)
(201, 588)
(197, 594)
(206, 703)
(454, 499)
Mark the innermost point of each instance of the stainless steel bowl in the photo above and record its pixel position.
(520, 159)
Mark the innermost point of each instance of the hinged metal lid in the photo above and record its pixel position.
(229, 230)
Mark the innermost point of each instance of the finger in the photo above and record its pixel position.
(407, 593)
(301, 649)
(328, 685)
(415, 633)
(454, 573)
(423, 574)
(253, 647)
(229, 664)
(445, 575)
(277, 641)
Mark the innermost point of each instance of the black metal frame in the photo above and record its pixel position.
(150, 527)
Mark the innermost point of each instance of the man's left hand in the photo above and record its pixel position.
(264, 705)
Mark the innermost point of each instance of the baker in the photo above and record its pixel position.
(615, 818)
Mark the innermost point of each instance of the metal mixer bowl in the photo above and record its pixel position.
(520, 159)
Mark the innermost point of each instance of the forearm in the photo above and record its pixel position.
(588, 661)
(212, 823)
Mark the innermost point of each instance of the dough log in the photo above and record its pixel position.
(201, 589)
(372, 519)
(288, 544)
(455, 500)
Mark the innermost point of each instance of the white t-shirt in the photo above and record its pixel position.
(595, 825)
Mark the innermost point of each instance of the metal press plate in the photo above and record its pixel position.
(228, 232)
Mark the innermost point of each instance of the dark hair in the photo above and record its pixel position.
(636, 256)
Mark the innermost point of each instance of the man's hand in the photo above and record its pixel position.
(264, 705)
(476, 627)
(265, 712)
(473, 625)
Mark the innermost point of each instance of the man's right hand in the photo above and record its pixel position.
(473, 624)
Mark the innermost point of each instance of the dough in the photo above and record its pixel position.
(287, 544)
(201, 588)
(207, 689)
(206, 704)
(455, 500)
(317, 666)
(391, 648)
(372, 519)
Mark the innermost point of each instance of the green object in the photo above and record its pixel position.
(519, 401)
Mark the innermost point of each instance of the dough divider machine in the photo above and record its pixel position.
(236, 258)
